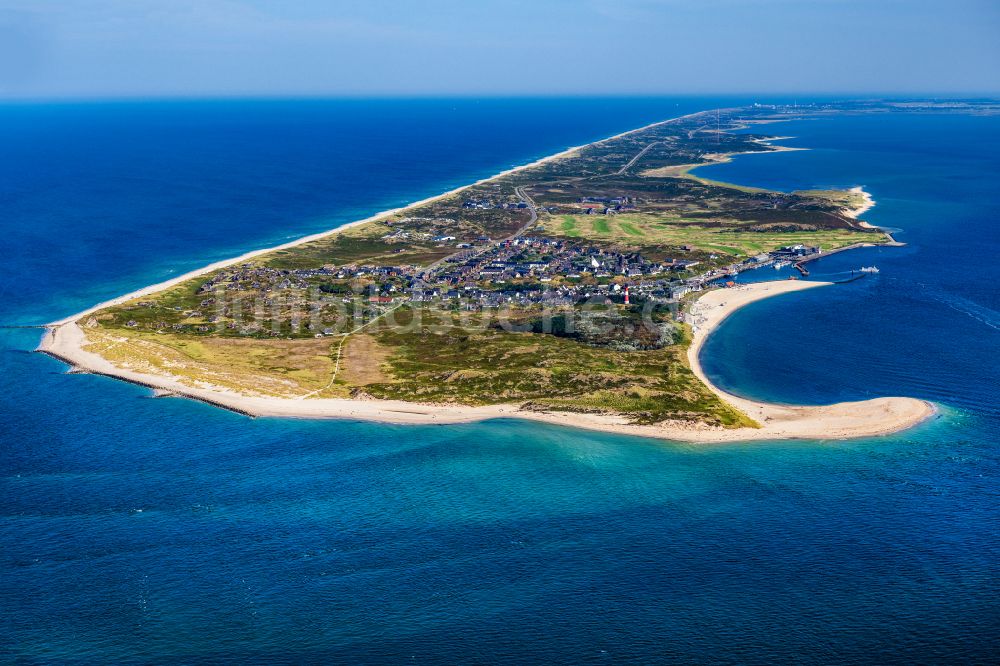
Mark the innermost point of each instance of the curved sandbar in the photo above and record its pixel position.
(843, 420)
(840, 421)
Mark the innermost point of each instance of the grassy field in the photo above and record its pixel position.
(630, 228)
(360, 245)
(281, 368)
(733, 241)
(599, 225)
(440, 357)
(447, 360)
(569, 227)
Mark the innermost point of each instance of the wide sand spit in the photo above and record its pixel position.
(844, 420)
(65, 339)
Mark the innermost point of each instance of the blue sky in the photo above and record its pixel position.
(97, 48)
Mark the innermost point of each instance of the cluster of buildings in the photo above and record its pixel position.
(490, 204)
(547, 258)
(264, 279)
(247, 277)
(514, 272)
(475, 297)
(796, 251)
(611, 205)
(485, 276)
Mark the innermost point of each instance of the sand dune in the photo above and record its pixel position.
(840, 421)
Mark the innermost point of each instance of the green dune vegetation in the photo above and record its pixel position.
(511, 291)
(735, 240)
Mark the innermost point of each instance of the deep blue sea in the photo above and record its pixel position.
(168, 531)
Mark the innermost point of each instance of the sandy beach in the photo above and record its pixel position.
(867, 204)
(840, 421)
(65, 339)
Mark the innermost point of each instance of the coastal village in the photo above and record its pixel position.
(388, 332)
(562, 285)
(516, 272)
(620, 222)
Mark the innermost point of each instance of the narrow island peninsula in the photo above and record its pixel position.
(577, 290)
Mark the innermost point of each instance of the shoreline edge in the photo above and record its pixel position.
(64, 340)
(845, 420)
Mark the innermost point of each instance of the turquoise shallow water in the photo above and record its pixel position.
(163, 530)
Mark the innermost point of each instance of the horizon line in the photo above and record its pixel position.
(359, 96)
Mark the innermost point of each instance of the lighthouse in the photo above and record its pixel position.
(626, 295)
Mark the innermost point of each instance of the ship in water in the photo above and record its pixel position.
(778, 265)
(868, 269)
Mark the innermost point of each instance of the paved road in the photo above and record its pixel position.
(635, 159)
(519, 191)
(533, 210)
